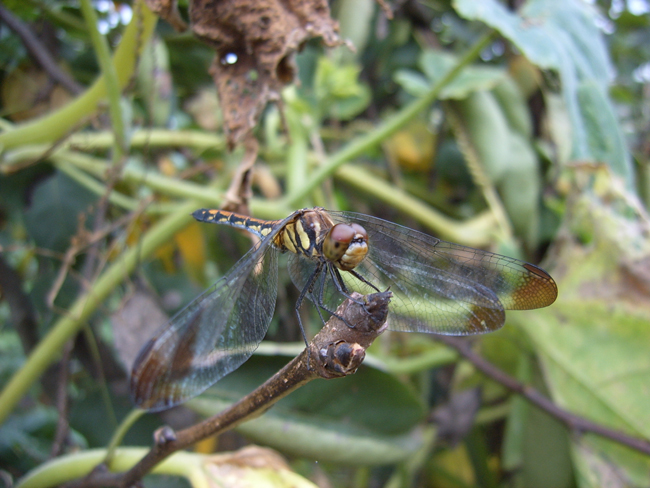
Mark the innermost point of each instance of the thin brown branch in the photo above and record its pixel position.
(22, 313)
(572, 421)
(239, 192)
(62, 424)
(336, 351)
(81, 240)
(39, 52)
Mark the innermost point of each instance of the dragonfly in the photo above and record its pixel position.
(438, 287)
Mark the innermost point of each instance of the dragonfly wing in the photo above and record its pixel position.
(442, 287)
(212, 336)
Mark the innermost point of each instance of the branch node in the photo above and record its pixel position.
(164, 436)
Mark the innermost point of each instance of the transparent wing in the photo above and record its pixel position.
(441, 287)
(212, 336)
(324, 292)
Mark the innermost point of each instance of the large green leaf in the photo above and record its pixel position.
(536, 445)
(593, 342)
(436, 64)
(371, 413)
(597, 364)
(561, 35)
(508, 159)
(53, 216)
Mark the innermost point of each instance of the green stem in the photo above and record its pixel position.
(50, 347)
(109, 74)
(120, 432)
(75, 466)
(96, 187)
(434, 358)
(476, 232)
(89, 141)
(297, 154)
(137, 176)
(362, 144)
(131, 174)
(57, 124)
(59, 16)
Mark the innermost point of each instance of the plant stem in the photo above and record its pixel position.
(109, 74)
(74, 466)
(58, 123)
(130, 173)
(363, 143)
(201, 140)
(120, 432)
(476, 232)
(87, 181)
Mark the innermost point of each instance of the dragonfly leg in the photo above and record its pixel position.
(363, 280)
(338, 279)
(320, 304)
(308, 290)
(340, 286)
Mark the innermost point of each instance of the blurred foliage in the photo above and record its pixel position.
(537, 148)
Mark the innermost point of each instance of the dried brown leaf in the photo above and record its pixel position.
(255, 41)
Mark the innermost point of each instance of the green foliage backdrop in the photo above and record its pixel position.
(523, 131)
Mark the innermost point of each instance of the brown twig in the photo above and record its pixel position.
(572, 421)
(336, 351)
(239, 192)
(62, 424)
(22, 313)
(39, 52)
(91, 241)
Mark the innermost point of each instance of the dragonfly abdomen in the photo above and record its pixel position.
(259, 227)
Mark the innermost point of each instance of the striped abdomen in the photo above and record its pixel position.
(302, 231)
(260, 228)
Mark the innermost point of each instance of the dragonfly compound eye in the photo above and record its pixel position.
(346, 245)
(337, 241)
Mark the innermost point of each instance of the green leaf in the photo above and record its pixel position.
(597, 365)
(593, 342)
(53, 217)
(561, 35)
(412, 82)
(603, 131)
(26, 438)
(514, 106)
(520, 189)
(371, 413)
(436, 64)
(536, 446)
(508, 158)
(338, 90)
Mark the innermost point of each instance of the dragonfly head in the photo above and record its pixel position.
(346, 245)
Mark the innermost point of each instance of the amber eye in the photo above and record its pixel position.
(342, 233)
(360, 230)
(337, 241)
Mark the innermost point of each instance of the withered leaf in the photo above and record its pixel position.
(255, 41)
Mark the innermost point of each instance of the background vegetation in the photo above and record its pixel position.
(521, 129)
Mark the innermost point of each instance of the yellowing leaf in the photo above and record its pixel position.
(412, 148)
(192, 248)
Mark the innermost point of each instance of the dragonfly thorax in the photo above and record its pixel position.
(312, 234)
